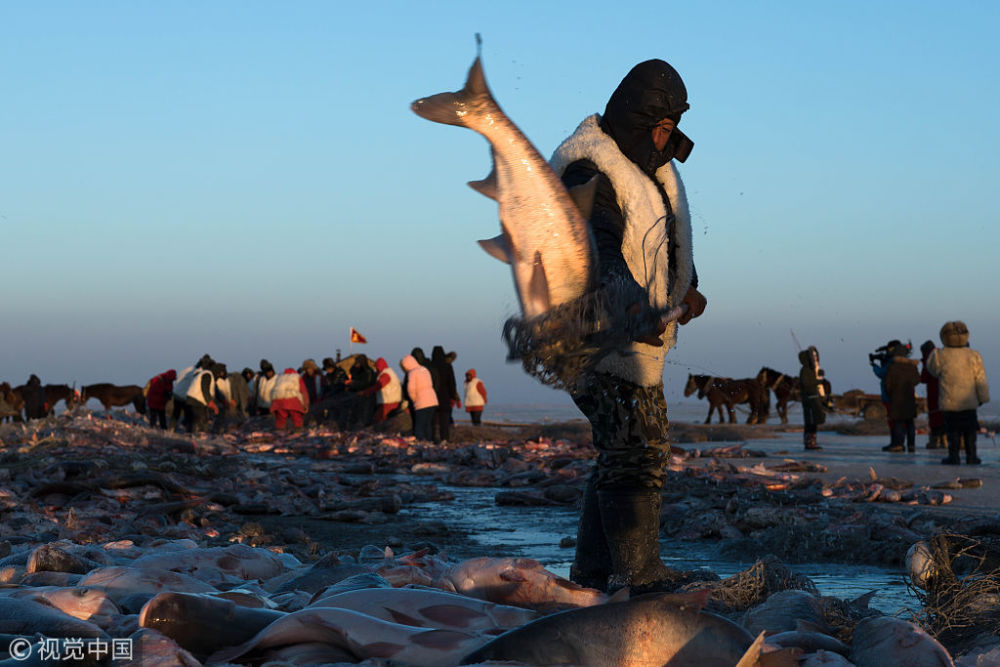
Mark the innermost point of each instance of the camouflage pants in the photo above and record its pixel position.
(629, 424)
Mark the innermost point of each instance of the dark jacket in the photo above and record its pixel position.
(239, 391)
(33, 394)
(935, 418)
(362, 375)
(809, 382)
(446, 388)
(901, 380)
(334, 382)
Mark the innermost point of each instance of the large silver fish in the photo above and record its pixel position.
(654, 629)
(543, 236)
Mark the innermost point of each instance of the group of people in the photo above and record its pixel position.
(365, 394)
(956, 387)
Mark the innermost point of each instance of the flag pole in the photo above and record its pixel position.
(352, 342)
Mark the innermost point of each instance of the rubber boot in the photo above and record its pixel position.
(970, 449)
(810, 441)
(592, 565)
(953, 442)
(631, 519)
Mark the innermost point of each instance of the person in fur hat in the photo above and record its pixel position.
(812, 385)
(901, 381)
(962, 389)
(642, 234)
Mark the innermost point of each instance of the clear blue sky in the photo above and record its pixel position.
(246, 178)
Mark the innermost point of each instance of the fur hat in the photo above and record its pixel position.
(955, 334)
(265, 366)
(309, 365)
(329, 364)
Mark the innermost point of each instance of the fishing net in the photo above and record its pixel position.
(754, 585)
(565, 343)
(962, 596)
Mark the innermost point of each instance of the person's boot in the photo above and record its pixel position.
(810, 441)
(952, 459)
(970, 449)
(631, 519)
(592, 565)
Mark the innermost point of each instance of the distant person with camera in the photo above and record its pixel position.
(880, 361)
(963, 388)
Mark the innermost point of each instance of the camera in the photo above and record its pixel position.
(881, 355)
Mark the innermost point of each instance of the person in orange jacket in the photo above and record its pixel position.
(475, 396)
(387, 390)
(161, 390)
(289, 399)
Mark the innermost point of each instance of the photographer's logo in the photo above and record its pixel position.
(20, 649)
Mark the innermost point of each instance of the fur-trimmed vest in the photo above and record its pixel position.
(645, 243)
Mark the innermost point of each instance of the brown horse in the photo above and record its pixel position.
(785, 388)
(726, 391)
(60, 392)
(111, 395)
(11, 404)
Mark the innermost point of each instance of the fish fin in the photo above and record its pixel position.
(453, 108)
(583, 196)
(863, 600)
(488, 186)
(538, 287)
(621, 595)
(512, 575)
(496, 247)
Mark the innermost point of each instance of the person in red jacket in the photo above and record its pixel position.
(161, 390)
(935, 418)
(289, 399)
(387, 390)
(475, 396)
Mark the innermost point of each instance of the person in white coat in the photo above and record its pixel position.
(962, 389)
(475, 396)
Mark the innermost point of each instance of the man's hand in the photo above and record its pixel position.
(651, 338)
(695, 302)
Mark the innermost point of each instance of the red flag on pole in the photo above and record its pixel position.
(357, 337)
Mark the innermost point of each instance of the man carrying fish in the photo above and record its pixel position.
(601, 287)
(642, 233)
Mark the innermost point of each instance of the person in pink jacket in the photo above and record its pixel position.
(289, 399)
(420, 390)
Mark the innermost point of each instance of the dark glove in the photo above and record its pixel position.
(695, 302)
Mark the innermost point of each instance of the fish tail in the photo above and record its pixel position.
(461, 107)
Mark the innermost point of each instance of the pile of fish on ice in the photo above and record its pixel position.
(182, 604)
(115, 530)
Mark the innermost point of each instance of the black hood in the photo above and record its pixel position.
(650, 92)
